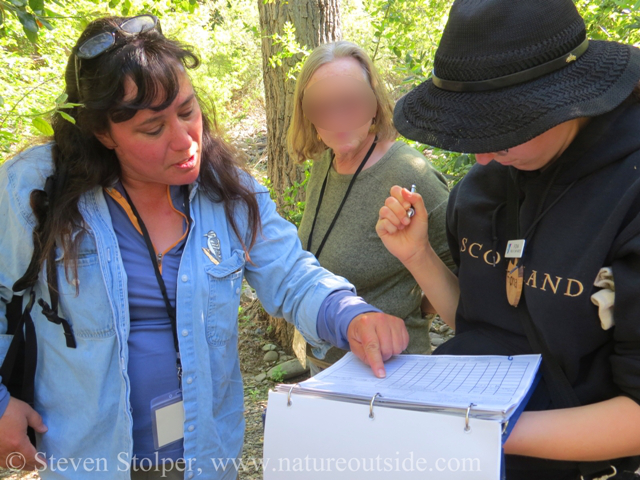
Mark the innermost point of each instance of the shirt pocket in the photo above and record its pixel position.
(83, 298)
(225, 285)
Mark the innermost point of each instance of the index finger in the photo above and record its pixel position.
(415, 200)
(373, 356)
(396, 192)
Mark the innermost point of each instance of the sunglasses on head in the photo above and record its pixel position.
(105, 41)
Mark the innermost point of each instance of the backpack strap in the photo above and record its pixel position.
(51, 311)
(30, 277)
(30, 354)
(16, 321)
(13, 313)
(18, 369)
(19, 321)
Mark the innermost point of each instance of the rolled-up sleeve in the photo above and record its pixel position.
(336, 313)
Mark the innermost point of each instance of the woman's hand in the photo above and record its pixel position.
(404, 237)
(376, 337)
(16, 451)
(408, 240)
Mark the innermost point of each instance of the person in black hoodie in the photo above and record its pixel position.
(545, 230)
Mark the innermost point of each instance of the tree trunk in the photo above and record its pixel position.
(315, 22)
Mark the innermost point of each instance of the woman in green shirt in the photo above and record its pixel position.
(342, 119)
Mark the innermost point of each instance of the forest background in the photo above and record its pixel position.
(251, 52)
(244, 46)
(36, 37)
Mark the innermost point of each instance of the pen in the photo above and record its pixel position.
(411, 212)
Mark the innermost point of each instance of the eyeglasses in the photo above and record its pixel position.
(103, 42)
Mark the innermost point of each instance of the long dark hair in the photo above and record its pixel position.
(82, 163)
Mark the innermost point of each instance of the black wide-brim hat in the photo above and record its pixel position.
(506, 71)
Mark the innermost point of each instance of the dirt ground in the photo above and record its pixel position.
(253, 336)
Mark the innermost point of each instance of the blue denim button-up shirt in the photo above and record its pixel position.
(83, 393)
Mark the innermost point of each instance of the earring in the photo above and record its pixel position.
(319, 137)
(372, 128)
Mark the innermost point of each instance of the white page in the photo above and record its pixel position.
(491, 383)
(320, 439)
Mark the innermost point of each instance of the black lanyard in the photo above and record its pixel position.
(171, 310)
(513, 207)
(344, 199)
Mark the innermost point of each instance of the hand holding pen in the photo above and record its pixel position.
(403, 223)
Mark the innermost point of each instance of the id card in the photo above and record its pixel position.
(167, 419)
(515, 249)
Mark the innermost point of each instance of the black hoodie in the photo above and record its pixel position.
(594, 224)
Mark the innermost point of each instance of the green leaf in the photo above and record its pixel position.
(28, 21)
(36, 5)
(67, 117)
(62, 99)
(19, 3)
(6, 135)
(45, 22)
(42, 126)
(1, 101)
(32, 36)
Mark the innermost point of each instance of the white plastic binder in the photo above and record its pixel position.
(432, 417)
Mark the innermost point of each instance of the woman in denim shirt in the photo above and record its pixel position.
(154, 225)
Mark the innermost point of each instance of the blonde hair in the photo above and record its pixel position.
(302, 139)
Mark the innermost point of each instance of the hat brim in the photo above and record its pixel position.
(480, 122)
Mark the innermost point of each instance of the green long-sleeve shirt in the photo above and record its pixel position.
(354, 250)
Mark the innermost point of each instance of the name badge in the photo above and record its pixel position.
(167, 419)
(515, 249)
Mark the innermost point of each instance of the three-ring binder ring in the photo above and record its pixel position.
(289, 394)
(373, 399)
(467, 427)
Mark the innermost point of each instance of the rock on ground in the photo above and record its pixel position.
(289, 369)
